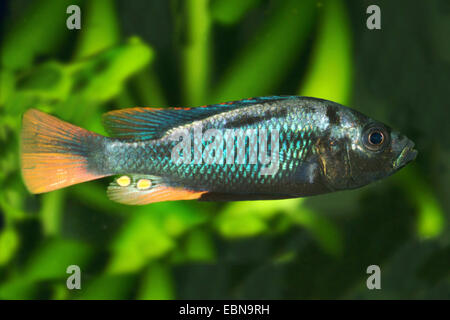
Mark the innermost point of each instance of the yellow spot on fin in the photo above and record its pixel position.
(144, 184)
(144, 189)
(123, 181)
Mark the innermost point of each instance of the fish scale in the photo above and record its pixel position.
(224, 177)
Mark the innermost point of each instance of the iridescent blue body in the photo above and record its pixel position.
(305, 125)
(298, 173)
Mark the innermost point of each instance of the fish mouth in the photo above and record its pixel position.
(407, 155)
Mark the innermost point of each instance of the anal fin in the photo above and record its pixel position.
(144, 189)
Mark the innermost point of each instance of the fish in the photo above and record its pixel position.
(263, 148)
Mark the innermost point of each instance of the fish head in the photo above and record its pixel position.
(361, 150)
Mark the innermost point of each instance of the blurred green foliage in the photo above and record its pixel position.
(217, 50)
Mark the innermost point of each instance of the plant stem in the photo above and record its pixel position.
(196, 55)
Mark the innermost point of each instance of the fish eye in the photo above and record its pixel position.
(374, 138)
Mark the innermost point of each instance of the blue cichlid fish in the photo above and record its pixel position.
(259, 148)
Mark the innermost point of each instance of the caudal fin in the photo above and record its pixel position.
(55, 154)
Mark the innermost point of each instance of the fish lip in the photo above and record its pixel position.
(407, 155)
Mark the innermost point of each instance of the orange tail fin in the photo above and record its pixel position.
(55, 154)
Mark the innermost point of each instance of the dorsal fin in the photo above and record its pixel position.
(152, 123)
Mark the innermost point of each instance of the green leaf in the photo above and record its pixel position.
(328, 236)
(196, 51)
(148, 88)
(17, 288)
(199, 246)
(249, 218)
(330, 72)
(53, 257)
(51, 212)
(157, 283)
(103, 77)
(231, 11)
(264, 62)
(431, 217)
(142, 239)
(7, 84)
(37, 32)
(100, 28)
(178, 218)
(9, 243)
(108, 287)
(47, 81)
